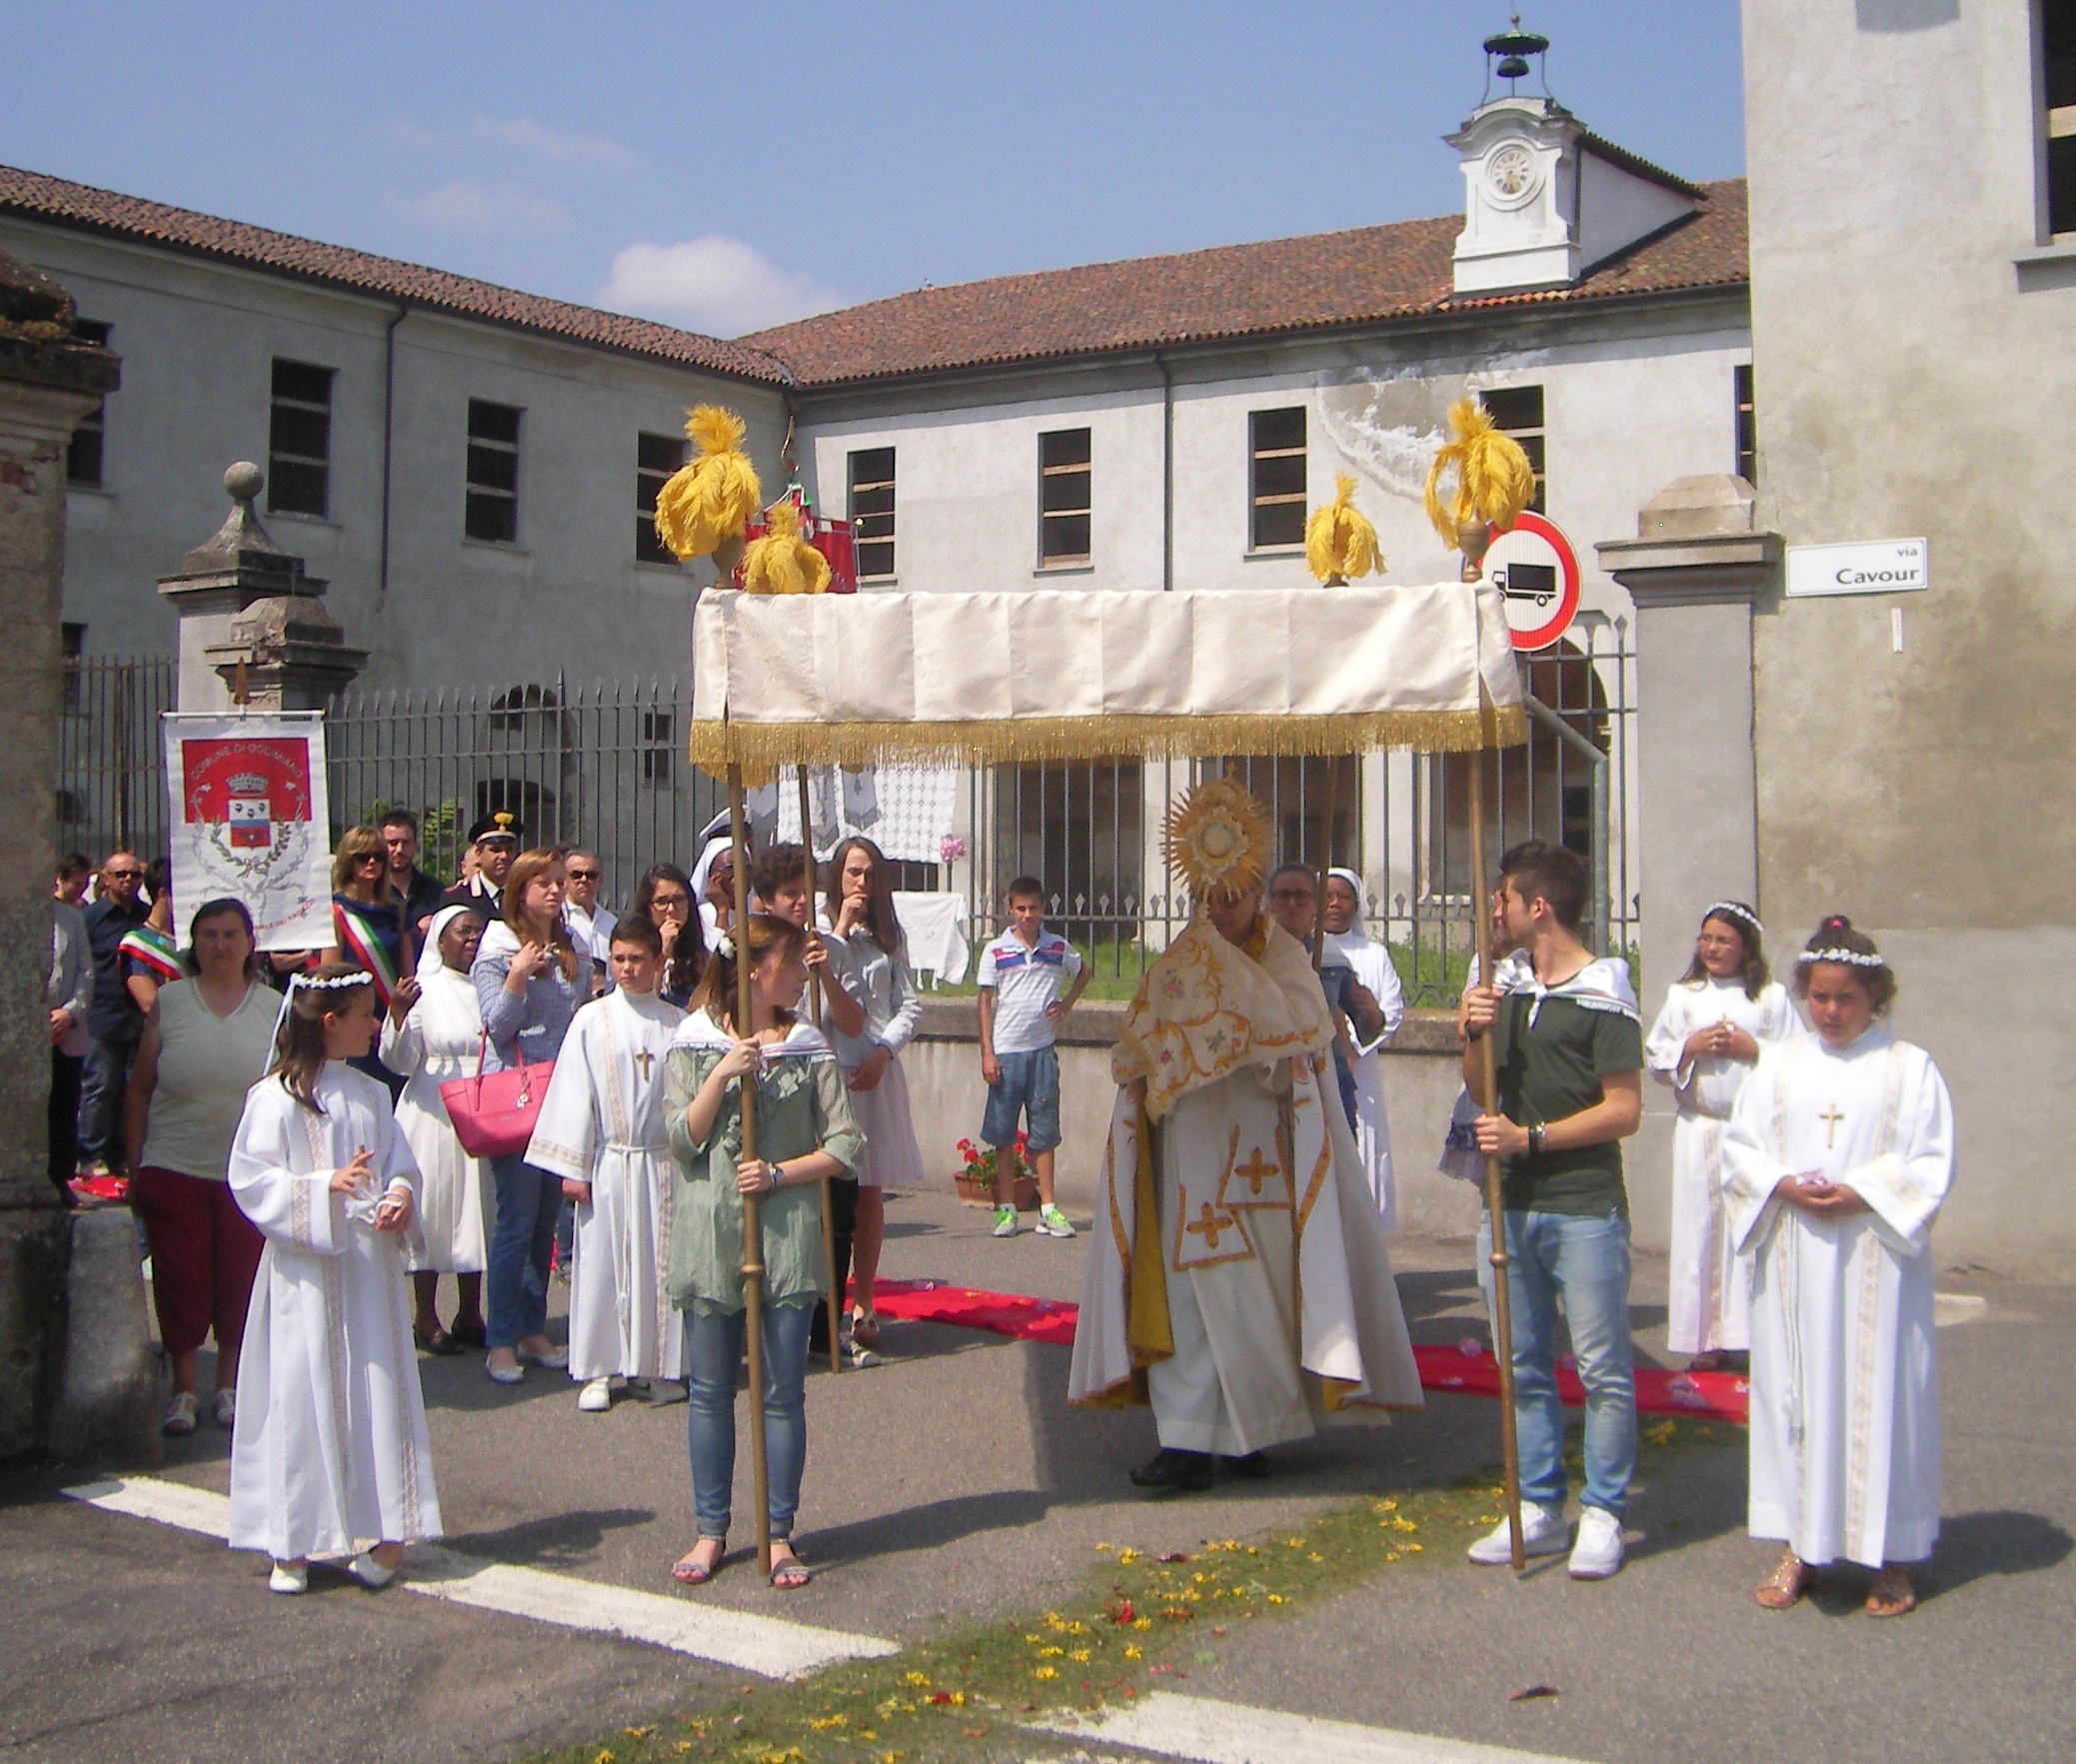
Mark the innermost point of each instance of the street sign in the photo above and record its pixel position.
(1881, 566)
(1536, 571)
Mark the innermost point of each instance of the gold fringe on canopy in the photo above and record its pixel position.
(709, 501)
(761, 748)
(1494, 480)
(1339, 539)
(782, 562)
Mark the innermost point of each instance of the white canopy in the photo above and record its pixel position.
(853, 679)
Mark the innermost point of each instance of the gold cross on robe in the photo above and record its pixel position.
(1832, 1117)
(1211, 1225)
(1257, 1170)
(645, 1059)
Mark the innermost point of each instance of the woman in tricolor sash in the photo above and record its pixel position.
(369, 933)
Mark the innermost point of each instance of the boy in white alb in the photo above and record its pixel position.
(602, 1129)
(1021, 974)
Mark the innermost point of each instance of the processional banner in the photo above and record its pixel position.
(250, 819)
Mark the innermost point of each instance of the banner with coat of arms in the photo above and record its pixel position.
(249, 819)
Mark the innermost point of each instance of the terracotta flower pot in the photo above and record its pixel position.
(978, 1190)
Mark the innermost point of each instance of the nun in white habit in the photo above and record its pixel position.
(1371, 961)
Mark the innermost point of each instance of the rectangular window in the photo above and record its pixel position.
(1275, 448)
(1518, 411)
(299, 440)
(86, 453)
(872, 509)
(1063, 497)
(659, 748)
(2058, 19)
(656, 457)
(1747, 428)
(72, 646)
(493, 510)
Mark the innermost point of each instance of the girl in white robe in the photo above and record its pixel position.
(602, 1129)
(330, 1456)
(1837, 1160)
(1718, 1016)
(435, 1038)
(1371, 961)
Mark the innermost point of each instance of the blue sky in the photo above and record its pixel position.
(726, 167)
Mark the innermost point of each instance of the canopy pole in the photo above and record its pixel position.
(752, 1226)
(829, 1217)
(1496, 1204)
(1325, 861)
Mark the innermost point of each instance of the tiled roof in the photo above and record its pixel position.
(33, 196)
(1364, 276)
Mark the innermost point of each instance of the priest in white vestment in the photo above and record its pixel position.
(1238, 1277)
(1348, 938)
(330, 1455)
(1837, 1158)
(1718, 1018)
(602, 1129)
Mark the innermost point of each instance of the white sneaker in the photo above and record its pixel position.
(596, 1397)
(1598, 1554)
(1054, 1223)
(1006, 1221)
(289, 1579)
(1543, 1533)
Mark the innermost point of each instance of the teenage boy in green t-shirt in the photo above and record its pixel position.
(1568, 1053)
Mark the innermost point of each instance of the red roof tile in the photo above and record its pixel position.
(1368, 275)
(33, 196)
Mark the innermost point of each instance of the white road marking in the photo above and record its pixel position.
(768, 1646)
(1211, 1733)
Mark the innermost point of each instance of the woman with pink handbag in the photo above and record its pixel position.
(529, 981)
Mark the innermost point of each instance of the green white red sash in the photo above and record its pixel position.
(359, 944)
(153, 951)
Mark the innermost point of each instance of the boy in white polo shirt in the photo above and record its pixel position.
(1021, 974)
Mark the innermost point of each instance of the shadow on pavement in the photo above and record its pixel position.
(929, 1526)
(1973, 1546)
(565, 1539)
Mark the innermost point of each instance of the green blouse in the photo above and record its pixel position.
(801, 1107)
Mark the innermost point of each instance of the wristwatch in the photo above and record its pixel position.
(1536, 1141)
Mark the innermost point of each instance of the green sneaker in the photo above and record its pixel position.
(1054, 1223)
(1006, 1221)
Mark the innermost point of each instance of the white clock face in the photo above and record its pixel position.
(1510, 171)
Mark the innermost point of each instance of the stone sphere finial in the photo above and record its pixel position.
(244, 482)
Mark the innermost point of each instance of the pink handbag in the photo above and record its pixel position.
(494, 1112)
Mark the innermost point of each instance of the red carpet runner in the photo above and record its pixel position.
(1469, 1368)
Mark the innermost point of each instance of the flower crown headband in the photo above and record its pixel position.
(338, 983)
(1850, 959)
(1731, 909)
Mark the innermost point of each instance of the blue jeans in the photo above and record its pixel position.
(528, 1203)
(102, 1083)
(1030, 1086)
(1585, 1261)
(713, 1352)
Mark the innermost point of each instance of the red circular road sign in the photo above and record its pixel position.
(1537, 572)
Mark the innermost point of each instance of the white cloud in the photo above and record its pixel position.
(716, 285)
(456, 204)
(568, 149)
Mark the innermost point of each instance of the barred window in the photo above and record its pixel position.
(870, 509)
(1275, 448)
(86, 453)
(2058, 40)
(299, 439)
(1518, 411)
(656, 457)
(658, 747)
(1747, 428)
(493, 506)
(1063, 474)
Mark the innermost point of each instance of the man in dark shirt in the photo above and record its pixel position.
(422, 892)
(1568, 1053)
(493, 843)
(114, 1024)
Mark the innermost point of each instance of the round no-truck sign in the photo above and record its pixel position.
(1536, 571)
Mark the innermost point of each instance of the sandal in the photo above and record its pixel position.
(864, 1329)
(689, 1571)
(789, 1572)
(179, 1420)
(1784, 1587)
(1891, 1595)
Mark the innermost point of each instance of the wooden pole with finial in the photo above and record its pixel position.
(828, 1221)
(753, 1225)
(1325, 861)
(1475, 538)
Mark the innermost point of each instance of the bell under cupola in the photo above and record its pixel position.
(1545, 199)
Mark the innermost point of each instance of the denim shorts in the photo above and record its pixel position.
(1031, 1087)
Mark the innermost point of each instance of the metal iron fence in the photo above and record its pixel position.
(111, 784)
(1092, 832)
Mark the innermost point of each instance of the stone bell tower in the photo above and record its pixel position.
(1545, 198)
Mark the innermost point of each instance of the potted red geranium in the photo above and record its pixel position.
(976, 1178)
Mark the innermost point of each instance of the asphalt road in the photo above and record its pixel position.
(954, 1482)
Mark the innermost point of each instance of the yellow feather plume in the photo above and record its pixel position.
(1494, 480)
(1338, 540)
(709, 501)
(782, 562)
